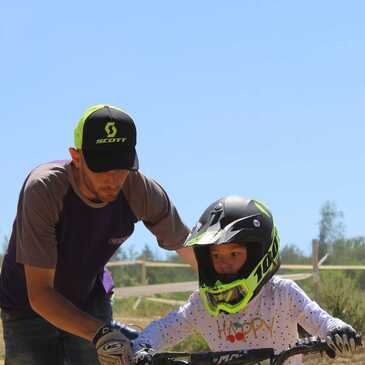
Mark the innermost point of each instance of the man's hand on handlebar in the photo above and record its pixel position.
(113, 347)
(341, 340)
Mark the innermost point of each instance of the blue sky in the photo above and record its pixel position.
(258, 98)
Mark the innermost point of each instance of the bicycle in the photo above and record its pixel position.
(264, 356)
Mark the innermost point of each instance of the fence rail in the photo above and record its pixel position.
(282, 266)
(185, 286)
(146, 263)
(145, 290)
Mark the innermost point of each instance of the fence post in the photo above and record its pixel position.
(143, 273)
(316, 277)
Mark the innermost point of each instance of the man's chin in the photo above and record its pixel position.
(108, 197)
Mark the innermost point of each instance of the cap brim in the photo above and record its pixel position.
(102, 161)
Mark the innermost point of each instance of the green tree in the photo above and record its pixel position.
(174, 257)
(125, 252)
(146, 254)
(291, 254)
(350, 252)
(126, 275)
(331, 227)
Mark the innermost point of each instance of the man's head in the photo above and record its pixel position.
(236, 246)
(105, 140)
(107, 137)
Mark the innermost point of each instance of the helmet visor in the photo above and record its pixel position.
(228, 298)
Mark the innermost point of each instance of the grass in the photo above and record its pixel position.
(147, 311)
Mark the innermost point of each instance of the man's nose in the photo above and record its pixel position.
(110, 177)
(114, 177)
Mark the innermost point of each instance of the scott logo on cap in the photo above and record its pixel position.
(111, 131)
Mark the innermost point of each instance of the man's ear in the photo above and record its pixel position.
(75, 155)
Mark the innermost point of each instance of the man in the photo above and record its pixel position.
(71, 217)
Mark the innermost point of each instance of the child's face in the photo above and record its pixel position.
(228, 258)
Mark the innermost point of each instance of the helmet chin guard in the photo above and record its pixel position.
(235, 219)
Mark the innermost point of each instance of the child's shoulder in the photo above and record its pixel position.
(281, 282)
(282, 285)
(193, 301)
(280, 290)
(193, 306)
(195, 296)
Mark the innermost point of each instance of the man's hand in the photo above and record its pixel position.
(341, 340)
(112, 347)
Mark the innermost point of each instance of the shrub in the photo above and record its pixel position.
(192, 343)
(341, 297)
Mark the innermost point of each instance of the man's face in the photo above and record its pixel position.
(99, 186)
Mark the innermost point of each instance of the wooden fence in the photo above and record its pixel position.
(148, 290)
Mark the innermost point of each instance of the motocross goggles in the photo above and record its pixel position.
(229, 298)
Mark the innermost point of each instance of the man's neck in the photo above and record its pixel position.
(79, 181)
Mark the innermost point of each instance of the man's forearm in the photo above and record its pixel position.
(57, 310)
(188, 256)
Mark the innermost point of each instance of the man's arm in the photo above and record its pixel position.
(188, 256)
(55, 308)
(112, 347)
(151, 204)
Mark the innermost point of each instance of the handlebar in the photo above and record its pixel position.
(243, 357)
(307, 346)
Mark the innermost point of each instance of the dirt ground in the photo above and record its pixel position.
(356, 359)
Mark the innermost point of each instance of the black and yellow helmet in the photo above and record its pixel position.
(235, 219)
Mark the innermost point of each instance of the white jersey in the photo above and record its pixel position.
(270, 320)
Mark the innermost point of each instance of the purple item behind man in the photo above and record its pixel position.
(108, 282)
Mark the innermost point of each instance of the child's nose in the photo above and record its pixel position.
(225, 265)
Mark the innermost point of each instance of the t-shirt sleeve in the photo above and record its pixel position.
(37, 215)
(151, 204)
(311, 316)
(166, 331)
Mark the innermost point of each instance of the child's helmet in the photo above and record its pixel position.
(235, 219)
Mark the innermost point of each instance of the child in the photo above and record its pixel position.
(240, 303)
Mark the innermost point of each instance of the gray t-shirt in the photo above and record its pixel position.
(56, 227)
